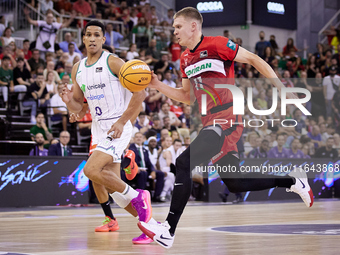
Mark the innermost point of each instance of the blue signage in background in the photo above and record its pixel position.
(41, 181)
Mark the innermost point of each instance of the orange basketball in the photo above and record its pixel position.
(135, 75)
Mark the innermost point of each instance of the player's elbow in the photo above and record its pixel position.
(140, 94)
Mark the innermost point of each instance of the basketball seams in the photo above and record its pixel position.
(126, 72)
(138, 63)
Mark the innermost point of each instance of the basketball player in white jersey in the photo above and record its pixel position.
(96, 79)
(168, 156)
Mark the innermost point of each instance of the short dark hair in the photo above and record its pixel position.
(177, 140)
(26, 40)
(6, 58)
(39, 113)
(40, 74)
(96, 23)
(70, 44)
(20, 59)
(142, 114)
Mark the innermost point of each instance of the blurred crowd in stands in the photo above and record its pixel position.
(166, 127)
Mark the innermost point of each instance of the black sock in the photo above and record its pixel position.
(107, 209)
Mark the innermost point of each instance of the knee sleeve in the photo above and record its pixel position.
(120, 200)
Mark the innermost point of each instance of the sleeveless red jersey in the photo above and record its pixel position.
(211, 62)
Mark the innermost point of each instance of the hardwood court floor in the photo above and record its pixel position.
(66, 231)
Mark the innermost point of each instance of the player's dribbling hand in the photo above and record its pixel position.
(116, 130)
(154, 81)
(66, 94)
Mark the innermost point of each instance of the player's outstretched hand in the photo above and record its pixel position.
(116, 130)
(154, 81)
(66, 94)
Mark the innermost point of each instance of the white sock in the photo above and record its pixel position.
(129, 192)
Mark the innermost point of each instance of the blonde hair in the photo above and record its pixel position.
(189, 12)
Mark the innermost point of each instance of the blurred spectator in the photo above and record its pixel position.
(165, 111)
(185, 118)
(294, 151)
(176, 108)
(260, 152)
(289, 46)
(250, 143)
(2, 25)
(335, 41)
(154, 100)
(145, 167)
(50, 84)
(286, 80)
(152, 149)
(156, 126)
(278, 151)
(301, 125)
(7, 36)
(154, 53)
(36, 94)
(166, 158)
(330, 86)
(48, 31)
(6, 80)
(274, 45)
(141, 33)
(164, 65)
(41, 127)
(82, 7)
(167, 125)
(26, 50)
(327, 151)
(50, 69)
(7, 51)
(67, 71)
(46, 5)
(261, 45)
(305, 151)
(169, 17)
(142, 123)
(117, 37)
(175, 49)
(35, 60)
(72, 54)
(59, 108)
(62, 62)
(39, 149)
(65, 44)
(132, 53)
(167, 79)
(315, 136)
(62, 148)
(269, 55)
(21, 75)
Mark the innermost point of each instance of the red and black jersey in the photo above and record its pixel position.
(211, 62)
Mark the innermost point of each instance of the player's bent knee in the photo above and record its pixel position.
(89, 171)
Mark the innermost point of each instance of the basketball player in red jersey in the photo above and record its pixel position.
(208, 61)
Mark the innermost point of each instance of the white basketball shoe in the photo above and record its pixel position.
(158, 232)
(301, 186)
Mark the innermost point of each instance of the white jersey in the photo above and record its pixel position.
(107, 100)
(106, 97)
